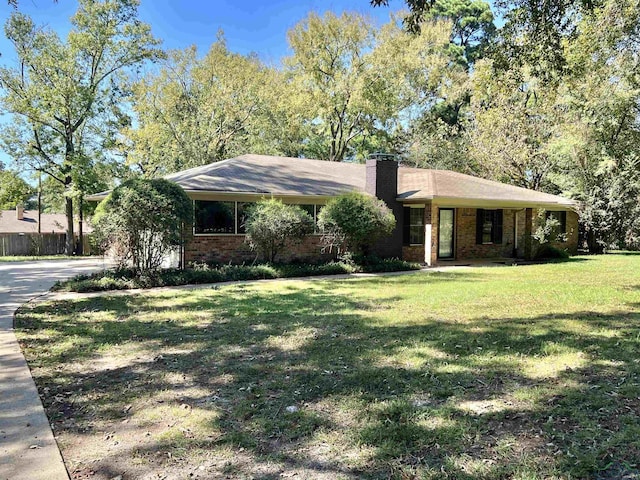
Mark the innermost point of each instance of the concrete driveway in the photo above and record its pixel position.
(27, 448)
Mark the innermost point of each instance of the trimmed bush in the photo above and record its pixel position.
(353, 222)
(272, 225)
(141, 221)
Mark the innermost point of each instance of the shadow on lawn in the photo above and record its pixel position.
(464, 407)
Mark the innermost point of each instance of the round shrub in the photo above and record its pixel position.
(141, 221)
(272, 225)
(354, 222)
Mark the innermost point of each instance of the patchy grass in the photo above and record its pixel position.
(488, 373)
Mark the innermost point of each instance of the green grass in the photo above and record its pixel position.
(527, 372)
(33, 258)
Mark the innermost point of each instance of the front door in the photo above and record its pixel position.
(445, 232)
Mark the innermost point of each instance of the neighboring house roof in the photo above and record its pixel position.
(51, 222)
(284, 176)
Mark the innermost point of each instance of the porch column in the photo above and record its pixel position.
(430, 234)
(528, 240)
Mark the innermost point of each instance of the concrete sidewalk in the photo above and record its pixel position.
(28, 450)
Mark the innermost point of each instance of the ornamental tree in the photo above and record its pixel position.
(64, 96)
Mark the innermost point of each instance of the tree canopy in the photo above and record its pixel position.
(63, 96)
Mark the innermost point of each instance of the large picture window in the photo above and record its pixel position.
(214, 217)
(413, 232)
(489, 227)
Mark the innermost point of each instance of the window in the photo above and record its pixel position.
(214, 217)
(489, 226)
(243, 210)
(413, 226)
(561, 217)
(228, 218)
(313, 211)
(310, 209)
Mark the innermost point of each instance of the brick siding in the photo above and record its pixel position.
(234, 249)
(413, 253)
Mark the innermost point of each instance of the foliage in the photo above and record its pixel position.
(533, 33)
(195, 111)
(353, 222)
(122, 279)
(547, 229)
(546, 233)
(271, 226)
(515, 122)
(142, 221)
(355, 80)
(472, 27)
(13, 190)
(63, 96)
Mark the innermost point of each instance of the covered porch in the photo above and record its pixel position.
(448, 233)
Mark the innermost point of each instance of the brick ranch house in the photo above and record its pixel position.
(441, 215)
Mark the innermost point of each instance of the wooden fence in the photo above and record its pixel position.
(36, 244)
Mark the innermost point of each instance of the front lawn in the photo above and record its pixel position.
(524, 372)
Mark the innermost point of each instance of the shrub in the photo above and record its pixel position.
(141, 221)
(546, 233)
(272, 225)
(353, 222)
(127, 278)
(547, 251)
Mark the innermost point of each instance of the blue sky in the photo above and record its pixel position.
(258, 26)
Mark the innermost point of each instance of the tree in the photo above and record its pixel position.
(142, 220)
(533, 31)
(196, 111)
(357, 81)
(516, 121)
(272, 225)
(332, 70)
(13, 190)
(354, 222)
(472, 27)
(63, 92)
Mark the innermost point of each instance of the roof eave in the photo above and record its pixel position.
(490, 203)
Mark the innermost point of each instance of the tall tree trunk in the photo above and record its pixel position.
(80, 225)
(69, 211)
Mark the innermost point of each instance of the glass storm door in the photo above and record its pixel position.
(445, 233)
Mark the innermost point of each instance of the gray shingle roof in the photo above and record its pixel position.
(417, 183)
(284, 176)
(51, 222)
(273, 175)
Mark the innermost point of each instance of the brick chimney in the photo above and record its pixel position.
(20, 212)
(382, 181)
